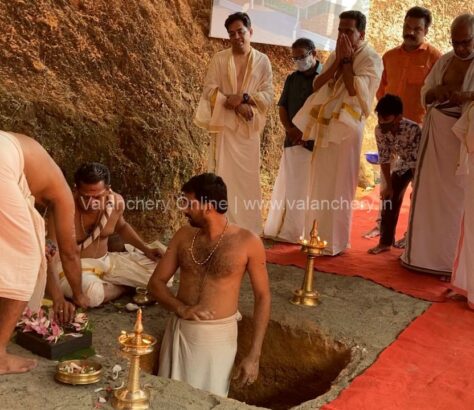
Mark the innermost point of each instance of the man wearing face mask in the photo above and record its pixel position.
(285, 220)
(237, 94)
(334, 117)
(438, 193)
(396, 137)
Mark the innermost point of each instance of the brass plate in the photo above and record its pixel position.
(76, 378)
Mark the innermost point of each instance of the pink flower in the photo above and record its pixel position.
(80, 322)
(43, 323)
(41, 326)
(56, 332)
(52, 339)
(27, 327)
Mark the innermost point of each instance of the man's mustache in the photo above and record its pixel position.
(409, 36)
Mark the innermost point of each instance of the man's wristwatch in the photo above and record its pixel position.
(245, 98)
(346, 60)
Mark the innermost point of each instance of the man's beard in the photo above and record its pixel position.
(193, 223)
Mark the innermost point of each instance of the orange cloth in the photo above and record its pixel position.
(428, 367)
(404, 74)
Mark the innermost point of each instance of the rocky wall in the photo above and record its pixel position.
(118, 81)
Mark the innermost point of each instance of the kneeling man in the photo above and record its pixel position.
(99, 214)
(200, 341)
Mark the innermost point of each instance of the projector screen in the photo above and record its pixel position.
(281, 22)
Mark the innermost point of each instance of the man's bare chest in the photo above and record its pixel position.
(86, 224)
(226, 260)
(455, 74)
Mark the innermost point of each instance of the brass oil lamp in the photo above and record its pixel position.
(307, 296)
(133, 345)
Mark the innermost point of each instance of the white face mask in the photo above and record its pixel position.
(469, 57)
(305, 64)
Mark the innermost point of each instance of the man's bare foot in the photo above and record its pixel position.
(455, 296)
(10, 364)
(379, 249)
(373, 233)
(400, 244)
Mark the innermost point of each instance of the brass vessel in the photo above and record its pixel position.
(142, 297)
(78, 378)
(307, 295)
(134, 345)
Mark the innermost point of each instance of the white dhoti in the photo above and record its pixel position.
(22, 230)
(438, 197)
(200, 353)
(334, 178)
(131, 268)
(235, 142)
(235, 157)
(463, 268)
(462, 278)
(335, 120)
(286, 216)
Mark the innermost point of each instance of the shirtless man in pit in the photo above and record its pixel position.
(213, 256)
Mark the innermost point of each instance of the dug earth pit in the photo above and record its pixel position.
(297, 365)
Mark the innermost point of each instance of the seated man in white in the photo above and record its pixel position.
(99, 214)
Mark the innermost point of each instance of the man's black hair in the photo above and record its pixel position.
(208, 188)
(360, 19)
(243, 17)
(420, 13)
(92, 173)
(305, 43)
(389, 104)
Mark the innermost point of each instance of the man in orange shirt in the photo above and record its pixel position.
(405, 70)
(406, 66)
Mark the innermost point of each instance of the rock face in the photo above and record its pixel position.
(118, 81)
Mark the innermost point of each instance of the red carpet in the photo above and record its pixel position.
(429, 367)
(384, 269)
